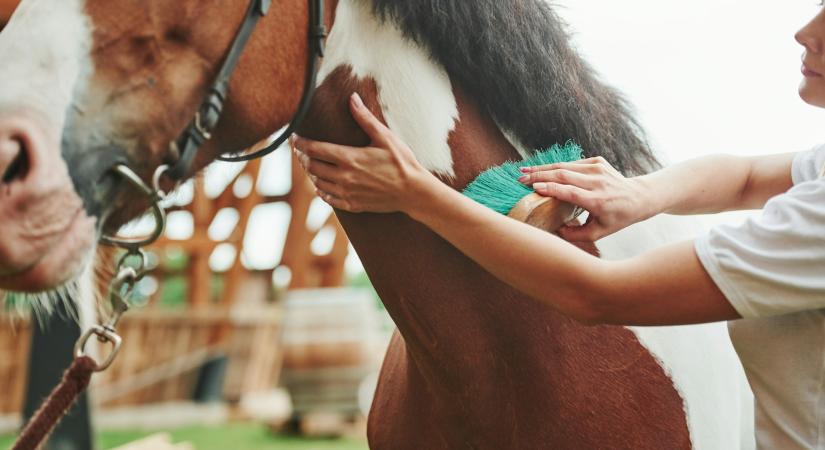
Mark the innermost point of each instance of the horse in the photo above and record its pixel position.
(474, 363)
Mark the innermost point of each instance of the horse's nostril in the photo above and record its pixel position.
(19, 166)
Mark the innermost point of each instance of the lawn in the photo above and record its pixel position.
(227, 437)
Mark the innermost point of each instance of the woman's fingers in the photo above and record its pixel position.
(329, 187)
(335, 202)
(589, 232)
(324, 151)
(319, 168)
(568, 193)
(563, 176)
(376, 130)
(589, 165)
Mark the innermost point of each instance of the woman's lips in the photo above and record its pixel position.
(808, 73)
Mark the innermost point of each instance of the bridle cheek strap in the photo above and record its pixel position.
(199, 130)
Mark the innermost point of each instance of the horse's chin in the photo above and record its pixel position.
(61, 262)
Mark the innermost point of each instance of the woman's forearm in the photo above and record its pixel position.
(533, 261)
(641, 291)
(718, 183)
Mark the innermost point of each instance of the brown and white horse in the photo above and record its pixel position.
(468, 84)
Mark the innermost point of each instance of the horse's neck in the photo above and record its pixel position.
(427, 285)
(410, 92)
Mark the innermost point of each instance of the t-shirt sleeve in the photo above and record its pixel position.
(774, 264)
(809, 165)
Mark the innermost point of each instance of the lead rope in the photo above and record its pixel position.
(131, 268)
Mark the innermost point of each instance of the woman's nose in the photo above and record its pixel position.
(807, 41)
(812, 35)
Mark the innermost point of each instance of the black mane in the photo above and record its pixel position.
(515, 58)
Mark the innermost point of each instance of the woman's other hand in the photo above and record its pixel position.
(613, 201)
(379, 178)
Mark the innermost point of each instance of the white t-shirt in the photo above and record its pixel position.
(772, 270)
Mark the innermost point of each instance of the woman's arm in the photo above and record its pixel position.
(665, 287)
(705, 185)
(668, 286)
(720, 183)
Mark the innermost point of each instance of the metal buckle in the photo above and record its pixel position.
(200, 128)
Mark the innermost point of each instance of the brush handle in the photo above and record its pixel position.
(542, 212)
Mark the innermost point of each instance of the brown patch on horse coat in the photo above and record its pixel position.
(147, 56)
(481, 365)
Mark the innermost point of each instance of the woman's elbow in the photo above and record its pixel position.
(589, 309)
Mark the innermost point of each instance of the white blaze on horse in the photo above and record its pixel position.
(90, 84)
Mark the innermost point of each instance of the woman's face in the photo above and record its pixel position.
(812, 37)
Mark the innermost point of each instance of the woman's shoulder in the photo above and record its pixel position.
(809, 165)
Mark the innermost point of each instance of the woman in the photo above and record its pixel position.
(769, 271)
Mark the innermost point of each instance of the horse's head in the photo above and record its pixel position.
(89, 84)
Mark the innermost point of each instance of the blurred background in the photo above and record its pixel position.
(258, 328)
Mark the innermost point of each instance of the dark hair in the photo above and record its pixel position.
(515, 58)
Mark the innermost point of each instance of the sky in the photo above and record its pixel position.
(706, 76)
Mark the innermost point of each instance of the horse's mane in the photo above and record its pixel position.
(515, 58)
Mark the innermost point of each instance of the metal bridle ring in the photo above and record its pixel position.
(157, 211)
(138, 269)
(162, 170)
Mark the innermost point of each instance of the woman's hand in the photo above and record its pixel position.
(379, 178)
(613, 201)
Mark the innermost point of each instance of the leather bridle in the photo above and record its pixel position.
(200, 129)
(131, 266)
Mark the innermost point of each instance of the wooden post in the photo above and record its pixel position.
(200, 276)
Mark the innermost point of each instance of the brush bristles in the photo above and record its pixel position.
(498, 188)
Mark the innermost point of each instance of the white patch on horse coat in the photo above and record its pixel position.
(45, 52)
(414, 92)
(699, 358)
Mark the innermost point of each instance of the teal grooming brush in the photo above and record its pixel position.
(498, 188)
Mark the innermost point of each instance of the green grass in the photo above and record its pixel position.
(226, 437)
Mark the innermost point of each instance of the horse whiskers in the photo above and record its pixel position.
(75, 300)
(43, 304)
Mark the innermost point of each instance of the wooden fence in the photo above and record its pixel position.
(161, 356)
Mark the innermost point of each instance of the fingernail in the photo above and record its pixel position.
(313, 178)
(524, 169)
(524, 179)
(540, 186)
(356, 100)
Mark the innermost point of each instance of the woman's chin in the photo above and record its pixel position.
(812, 92)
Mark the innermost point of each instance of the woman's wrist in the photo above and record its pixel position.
(424, 188)
(653, 198)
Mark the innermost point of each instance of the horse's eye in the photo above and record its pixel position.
(177, 34)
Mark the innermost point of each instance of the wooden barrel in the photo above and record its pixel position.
(331, 344)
